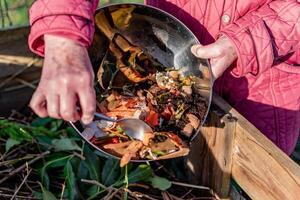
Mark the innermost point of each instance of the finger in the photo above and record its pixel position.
(53, 106)
(38, 104)
(87, 101)
(209, 51)
(68, 109)
(219, 66)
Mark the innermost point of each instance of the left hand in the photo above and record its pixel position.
(221, 53)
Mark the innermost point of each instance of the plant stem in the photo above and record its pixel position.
(126, 183)
(62, 191)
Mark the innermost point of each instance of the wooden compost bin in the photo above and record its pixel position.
(228, 146)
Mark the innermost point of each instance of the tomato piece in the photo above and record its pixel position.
(152, 118)
(115, 140)
(167, 113)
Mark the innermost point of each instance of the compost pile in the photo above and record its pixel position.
(166, 102)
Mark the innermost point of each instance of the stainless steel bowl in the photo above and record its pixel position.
(160, 34)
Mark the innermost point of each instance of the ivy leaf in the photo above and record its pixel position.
(160, 183)
(10, 142)
(47, 195)
(110, 172)
(65, 144)
(71, 181)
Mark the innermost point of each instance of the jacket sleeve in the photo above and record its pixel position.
(73, 19)
(266, 36)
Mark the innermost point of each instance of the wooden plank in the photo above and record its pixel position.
(211, 154)
(258, 166)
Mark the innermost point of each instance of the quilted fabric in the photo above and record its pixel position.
(265, 36)
(69, 18)
(263, 85)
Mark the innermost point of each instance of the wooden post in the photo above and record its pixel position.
(258, 166)
(230, 145)
(210, 159)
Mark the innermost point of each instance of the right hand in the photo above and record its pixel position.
(221, 53)
(66, 82)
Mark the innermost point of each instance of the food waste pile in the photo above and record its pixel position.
(167, 102)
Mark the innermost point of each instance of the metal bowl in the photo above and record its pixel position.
(162, 36)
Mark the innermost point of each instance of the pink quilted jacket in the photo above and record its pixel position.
(264, 83)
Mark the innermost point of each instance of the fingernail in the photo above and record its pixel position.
(194, 49)
(87, 120)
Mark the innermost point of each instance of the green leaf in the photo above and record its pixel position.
(71, 181)
(110, 172)
(55, 125)
(72, 133)
(82, 170)
(37, 194)
(45, 140)
(10, 143)
(65, 144)
(160, 183)
(41, 121)
(92, 190)
(92, 162)
(19, 131)
(141, 173)
(54, 163)
(47, 195)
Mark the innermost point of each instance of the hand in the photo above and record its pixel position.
(222, 54)
(66, 82)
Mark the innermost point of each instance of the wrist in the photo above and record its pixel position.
(60, 41)
(64, 53)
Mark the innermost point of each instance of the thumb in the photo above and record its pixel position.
(207, 51)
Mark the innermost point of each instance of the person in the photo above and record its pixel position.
(253, 47)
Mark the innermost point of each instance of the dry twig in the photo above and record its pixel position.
(190, 185)
(116, 191)
(94, 182)
(22, 183)
(12, 173)
(18, 197)
(139, 195)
